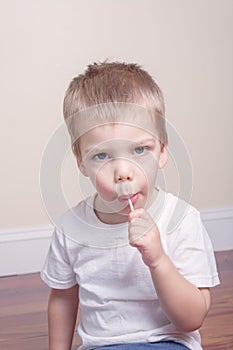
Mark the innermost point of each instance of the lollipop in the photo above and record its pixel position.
(130, 204)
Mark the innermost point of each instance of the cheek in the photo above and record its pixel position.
(103, 188)
(101, 179)
(148, 167)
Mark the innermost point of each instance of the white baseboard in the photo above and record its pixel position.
(219, 225)
(24, 250)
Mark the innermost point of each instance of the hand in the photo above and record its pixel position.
(145, 236)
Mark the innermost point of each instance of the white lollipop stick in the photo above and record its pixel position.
(130, 204)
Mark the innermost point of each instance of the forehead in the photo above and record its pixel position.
(113, 134)
(112, 114)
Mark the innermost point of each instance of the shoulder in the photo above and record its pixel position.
(184, 225)
(188, 244)
(80, 212)
(75, 220)
(175, 212)
(80, 225)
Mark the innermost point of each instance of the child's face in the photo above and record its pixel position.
(122, 162)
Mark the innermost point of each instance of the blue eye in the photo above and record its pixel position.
(140, 150)
(101, 156)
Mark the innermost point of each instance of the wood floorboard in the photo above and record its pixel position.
(217, 331)
(23, 315)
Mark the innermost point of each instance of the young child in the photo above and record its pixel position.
(138, 272)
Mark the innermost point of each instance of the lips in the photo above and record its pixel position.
(134, 198)
(125, 198)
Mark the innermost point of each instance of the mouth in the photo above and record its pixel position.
(133, 197)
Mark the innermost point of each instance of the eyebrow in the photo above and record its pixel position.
(93, 150)
(151, 139)
(99, 149)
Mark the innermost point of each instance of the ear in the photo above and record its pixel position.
(79, 161)
(163, 156)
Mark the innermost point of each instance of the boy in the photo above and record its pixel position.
(139, 274)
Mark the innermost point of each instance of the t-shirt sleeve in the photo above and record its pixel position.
(191, 251)
(57, 271)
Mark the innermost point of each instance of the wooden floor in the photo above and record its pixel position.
(23, 301)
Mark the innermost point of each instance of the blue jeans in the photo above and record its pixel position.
(161, 345)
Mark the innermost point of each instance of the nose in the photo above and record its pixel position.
(123, 172)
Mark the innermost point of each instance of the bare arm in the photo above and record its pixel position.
(183, 303)
(62, 314)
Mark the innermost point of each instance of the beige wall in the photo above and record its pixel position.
(186, 45)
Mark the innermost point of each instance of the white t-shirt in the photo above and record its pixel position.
(117, 298)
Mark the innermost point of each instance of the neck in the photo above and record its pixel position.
(105, 215)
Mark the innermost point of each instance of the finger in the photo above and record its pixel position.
(137, 213)
(137, 244)
(139, 224)
(138, 228)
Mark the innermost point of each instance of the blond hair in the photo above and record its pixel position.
(113, 83)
